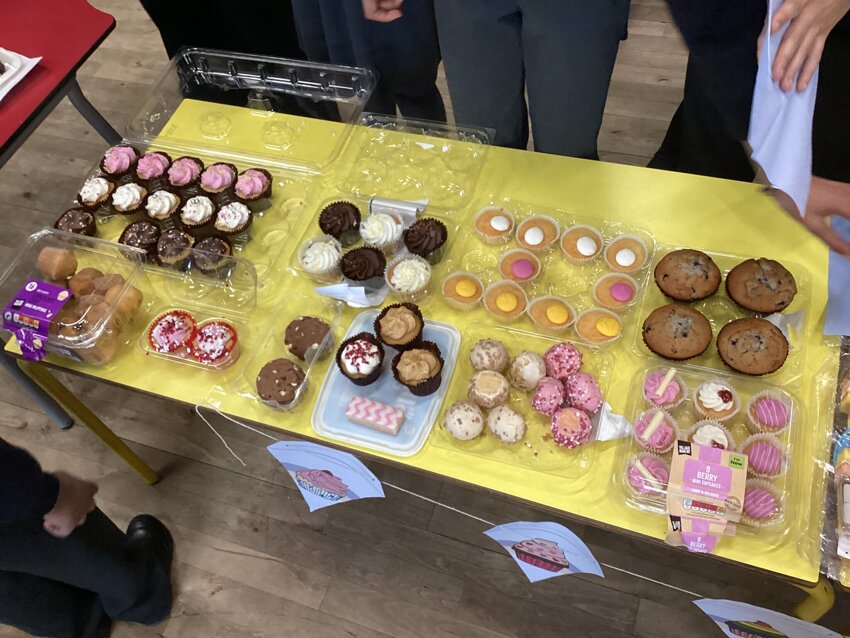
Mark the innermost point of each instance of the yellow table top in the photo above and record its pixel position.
(678, 209)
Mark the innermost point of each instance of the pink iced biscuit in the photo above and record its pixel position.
(648, 475)
(622, 292)
(217, 177)
(549, 396)
(651, 386)
(184, 171)
(654, 430)
(562, 360)
(583, 392)
(152, 165)
(760, 503)
(571, 427)
(375, 415)
(770, 413)
(522, 269)
(251, 183)
(764, 457)
(118, 159)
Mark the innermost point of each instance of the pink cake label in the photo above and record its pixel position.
(709, 479)
(699, 543)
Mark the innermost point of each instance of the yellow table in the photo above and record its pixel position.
(679, 209)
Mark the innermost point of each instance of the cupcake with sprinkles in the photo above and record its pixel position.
(95, 192)
(765, 456)
(233, 219)
(769, 412)
(762, 504)
(664, 389)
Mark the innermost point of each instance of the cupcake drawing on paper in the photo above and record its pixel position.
(541, 553)
(322, 483)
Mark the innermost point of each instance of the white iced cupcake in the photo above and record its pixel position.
(383, 231)
(320, 257)
(408, 277)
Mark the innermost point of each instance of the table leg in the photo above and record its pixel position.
(819, 599)
(91, 114)
(83, 415)
(48, 404)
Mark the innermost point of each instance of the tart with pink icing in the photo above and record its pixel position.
(185, 171)
(541, 553)
(647, 475)
(322, 483)
(152, 166)
(171, 332)
(562, 360)
(215, 344)
(762, 504)
(664, 389)
(217, 178)
(583, 392)
(571, 427)
(119, 160)
(549, 396)
(769, 412)
(765, 456)
(656, 430)
(253, 184)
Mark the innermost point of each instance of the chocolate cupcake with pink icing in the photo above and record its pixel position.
(119, 161)
(185, 173)
(152, 169)
(218, 179)
(254, 189)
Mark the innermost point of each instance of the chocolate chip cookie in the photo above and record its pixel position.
(761, 285)
(280, 383)
(676, 332)
(752, 346)
(687, 275)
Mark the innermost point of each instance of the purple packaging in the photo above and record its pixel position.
(29, 315)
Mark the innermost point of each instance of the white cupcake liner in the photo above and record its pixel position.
(613, 264)
(706, 414)
(696, 426)
(766, 522)
(547, 327)
(501, 239)
(526, 254)
(581, 261)
(408, 295)
(667, 417)
(605, 311)
(542, 247)
(754, 425)
(515, 287)
(611, 275)
(775, 442)
(332, 273)
(654, 498)
(454, 303)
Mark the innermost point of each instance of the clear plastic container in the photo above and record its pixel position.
(719, 309)
(571, 282)
(103, 305)
(738, 425)
(536, 451)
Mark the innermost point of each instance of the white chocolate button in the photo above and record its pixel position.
(586, 246)
(625, 257)
(534, 236)
(500, 223)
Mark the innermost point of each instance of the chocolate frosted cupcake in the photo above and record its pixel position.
(254, 189)
(360, 359)
(184, 173)
(119, 160)
(174, 247)
(95, 192)
(161, 205)
(233, 219)
(212, 254)
(218, 178)
(152, 169)
(342, 221)
(144, 235)
(198, 214)
(420, 368)
(127, 199)
(364, 267)
(400, 326)
(76, 220)
(427, 238)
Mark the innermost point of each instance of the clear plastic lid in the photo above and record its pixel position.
(252, 108)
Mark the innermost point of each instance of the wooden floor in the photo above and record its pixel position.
(251, 560)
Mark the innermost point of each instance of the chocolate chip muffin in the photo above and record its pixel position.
(761, 285)
(280, 383)
(309, 338)
(752, 346)
(687, 275)
(676, 332)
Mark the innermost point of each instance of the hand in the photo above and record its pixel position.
(826, 198)
(802, 44)
(382, 10)
(73, 504)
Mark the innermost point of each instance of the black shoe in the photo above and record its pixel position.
(147, 533)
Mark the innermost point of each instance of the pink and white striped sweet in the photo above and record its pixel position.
(760, 503)
(375, 415)
(770, 414)
(764, 457)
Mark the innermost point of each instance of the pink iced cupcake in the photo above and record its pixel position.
(185, 172)
(647, 476)
(765, 456)
(571, 427)
(769, 412)
(562, 360)
(218, 178)
(254, 188)
(119, 160)
(656, 431)
(762, 504)
(153, 168)
(664, 389)
(549, 396)
(583, 392)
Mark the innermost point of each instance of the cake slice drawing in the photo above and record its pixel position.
(322, 483)
(541, 553)
(757, 629)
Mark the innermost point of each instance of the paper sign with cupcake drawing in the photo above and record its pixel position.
(545, 550)
(325, 476)
(740, 620)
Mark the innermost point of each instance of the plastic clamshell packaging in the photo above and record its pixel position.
(536, 450)
(420, 413)
(570, 282)
(686, 416)
(81, 340)
(719, 309)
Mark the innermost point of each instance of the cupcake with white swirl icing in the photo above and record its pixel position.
(198, 213)
(716, 400)
(382, 231)
(320, 257)
(127, 198)
(95, 192)
(161, 205)
(408, 277)
(233, 219)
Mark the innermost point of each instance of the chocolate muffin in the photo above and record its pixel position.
(76, 220)
(761, 285)
(687, 275)
(752, 346)
(676, 332)
(308, 338)
(174, 247)
(280, 382)
(144, 235)
(211, 254)
(426, 238)
(365, 266)
(342, 221)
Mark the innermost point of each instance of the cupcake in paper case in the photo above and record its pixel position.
(506, 425)
(763, 506)
(360, 359)
(78, 221)
(322, 483)
(218, 178)
(647, 476)
(769, 412)
(254, 189)
(162, 205)
(548, 397)
(494, 225)
(427, 238)
(215, 344)
(152, 168)
(541, 553)
(408, 277)
(626, 254)
(197, 215)
(581, 244)
(716, 400)
(119, 160)
(755, 629)
(185, 173)
(711, 434)
(655, 430)
(144, 235)
(174, 247)
(382, 231)
(233, 219)
(664, 389)
(320, 257)
(765, 456)
(400, 326)
(171, 333)
(583, 392)
(95, 192)
(364, 267)
(570, 427)
(342, 221)
(419, 368)
(212, 254)
(127, 199)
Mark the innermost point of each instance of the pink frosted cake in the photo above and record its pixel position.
(765, 456)
(321, 483)
(583, 392)
(655, 430)
(762, 503)
(549, 396)
(647, 475)
(562, 360)
(571, 427)
(541, 553)
(663, 389)
(768, 413)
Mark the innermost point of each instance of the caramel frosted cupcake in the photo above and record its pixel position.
(161, 205)
(505, 300)
(127, 199)
(419, 368)
(494, 225)
(552, 313)
(342, 221)
(400, 325)
(360, 359)
(198, 214)
(538, 233)
(218, 178)
(364, 267)
(462, 290)
(581, 244)
(427, 238)
(626, 254)
(320, 257)
(615, 291)
(95, 192)
(78, 221)
(599, 326)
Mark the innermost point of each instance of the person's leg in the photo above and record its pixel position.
(569, 48)
(130, 584)
(482, 55)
